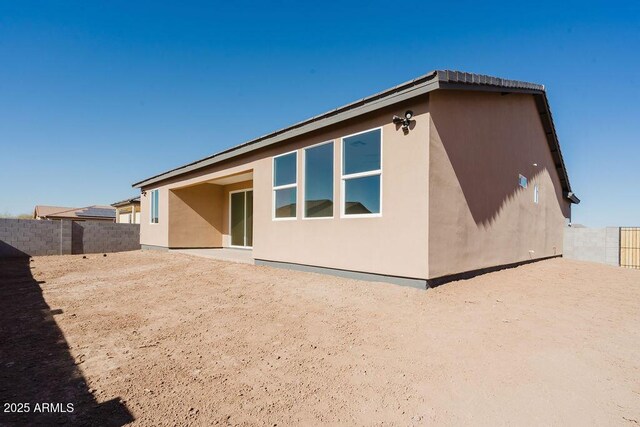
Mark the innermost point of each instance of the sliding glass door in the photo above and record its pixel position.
(241, 218)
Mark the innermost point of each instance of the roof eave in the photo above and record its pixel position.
(126, 202)
(450, 80)
(408, 90)
(572, 197)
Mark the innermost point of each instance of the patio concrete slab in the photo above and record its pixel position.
(242, 256)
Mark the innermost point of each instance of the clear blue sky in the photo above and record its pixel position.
(95, 95)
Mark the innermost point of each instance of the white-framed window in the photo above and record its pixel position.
(318, 181)
(285, 186)
(536, 194)
(522, 181)
(154, 207)
(361, 178)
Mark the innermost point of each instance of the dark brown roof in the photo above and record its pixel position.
(442, 79)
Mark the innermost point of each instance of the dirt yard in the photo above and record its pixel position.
(166, 339)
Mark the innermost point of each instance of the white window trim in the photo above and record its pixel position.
(283, 187)
(151, 206)
(244, 190)
(333, 181)
(343, 177)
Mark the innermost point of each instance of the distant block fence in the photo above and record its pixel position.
(23, 237)
(610, 245)
(592, 244)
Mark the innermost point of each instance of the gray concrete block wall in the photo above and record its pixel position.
(23, 237)
(612, 246)
(592, 244)
(95, 237)
(20, 237)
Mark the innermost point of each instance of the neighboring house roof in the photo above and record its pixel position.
(286, 211)
(322, 207)
(354, 208)
(126, 202)
(431, 81)
(88, 212)
(43, 211)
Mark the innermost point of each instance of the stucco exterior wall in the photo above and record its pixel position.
(394, 243)
(154, 234)
(451, 202)
(478, 214)
(195, 217)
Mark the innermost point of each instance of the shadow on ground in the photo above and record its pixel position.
(36, 366)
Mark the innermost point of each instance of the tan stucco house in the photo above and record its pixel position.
(128, 211)
(449, 174)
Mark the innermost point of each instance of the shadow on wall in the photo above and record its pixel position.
(7, 250)
(195, 216)
(488, 155)
(197, 201)
(37, 366)
(77, 238)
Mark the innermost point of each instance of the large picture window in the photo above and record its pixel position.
(285, 186)
(318, 181)
(154, 207)
(362, 174)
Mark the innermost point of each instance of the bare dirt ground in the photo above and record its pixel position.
(169, 339)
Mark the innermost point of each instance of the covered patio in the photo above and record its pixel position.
(211, 217)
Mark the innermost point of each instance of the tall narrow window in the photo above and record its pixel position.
(285, 185)
(362, 173)
(154, 207)
(536, 194)
(318, 181)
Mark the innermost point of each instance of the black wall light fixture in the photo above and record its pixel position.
(404, 122)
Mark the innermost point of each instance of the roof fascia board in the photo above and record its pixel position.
(574, 199)
(554, 145)
(486, 88)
